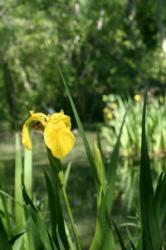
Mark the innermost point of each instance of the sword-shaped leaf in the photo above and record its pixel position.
(151, 238)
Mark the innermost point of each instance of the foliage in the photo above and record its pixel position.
(130, 139)
(61, 232)
(106, 46)
(114, 109)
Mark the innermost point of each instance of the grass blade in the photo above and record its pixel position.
(4, 242)
(19, 211)
(56, 217)
(112, 168)
(67, 173)
(99, 165)
(6, 211)
(100, 146)
(60, 241)
(16, 237)
(103, 238)
(132, 245)
(79, 124)
(151, 237)
(17, 241)
(159, 200)
(33, 236)
(119, 237)
(38, 222)
(58, 177)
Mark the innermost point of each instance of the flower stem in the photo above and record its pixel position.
(70, 217)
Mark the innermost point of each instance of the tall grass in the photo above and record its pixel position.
(30, 229)
(131, 140)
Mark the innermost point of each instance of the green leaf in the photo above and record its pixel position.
(38, 222)
(60, 241)
(33, 237)
(100, 169)
(67, 173)
(112, 168)
(4, 242)
(132, 245)
(56, 216)
(103, 238)
(19, 211)
(56, 168)
(159, 199)
(58, 177)
(16, 237)
(42, 230)
(27, 199)
(100, 146)
(119, 237)
(17, 241)
(151, 236)
(6, 212)
(79, 124)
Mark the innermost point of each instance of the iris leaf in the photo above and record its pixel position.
(4, 242)
(103, 237)
(56, 216)
(79, 124)
(119, 237)
(38, 222)
(151, 235)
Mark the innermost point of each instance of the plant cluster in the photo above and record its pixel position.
(114, 108)
(29, 229)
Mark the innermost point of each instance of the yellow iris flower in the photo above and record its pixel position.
(137, 98)
(57, 132)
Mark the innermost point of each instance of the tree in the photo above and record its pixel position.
(102, 47)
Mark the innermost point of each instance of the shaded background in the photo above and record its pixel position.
(103, 47)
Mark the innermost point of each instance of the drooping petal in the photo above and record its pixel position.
(56, 117)
(58, 138)
(26, 139)
(39, 117)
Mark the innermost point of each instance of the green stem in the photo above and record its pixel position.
(99, 196)
(70, 217)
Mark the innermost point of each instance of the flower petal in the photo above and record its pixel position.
(58, 138)
(56, 117)
(40, 117)
(26, 139)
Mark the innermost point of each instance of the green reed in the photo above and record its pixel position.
(29, 228)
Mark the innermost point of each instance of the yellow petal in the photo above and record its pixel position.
(26, 140)
(56, 117)
(40, 117)
(62, 112)
(58, 138)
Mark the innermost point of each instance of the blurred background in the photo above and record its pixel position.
(102, 46)
(108, 50)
